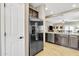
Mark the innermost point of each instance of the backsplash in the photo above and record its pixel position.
(64, 27)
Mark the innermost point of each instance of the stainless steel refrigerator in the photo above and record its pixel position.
(36, 37)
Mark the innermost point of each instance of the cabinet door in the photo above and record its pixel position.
(64, 41)
(73, 42)
(50, 38)
(57, 39)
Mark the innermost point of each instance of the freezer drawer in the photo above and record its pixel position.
(40, 42)
(39, 46)
(33, 48)
(36, 45)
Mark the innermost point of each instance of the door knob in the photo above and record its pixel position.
(20, 37)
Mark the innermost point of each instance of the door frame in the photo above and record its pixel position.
(26, 29)
(2, 31)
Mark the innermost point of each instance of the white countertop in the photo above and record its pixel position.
(63, 33)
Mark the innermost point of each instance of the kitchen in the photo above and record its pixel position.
(61, 28)
(39, 29)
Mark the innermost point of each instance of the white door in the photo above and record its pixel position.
(14, 27)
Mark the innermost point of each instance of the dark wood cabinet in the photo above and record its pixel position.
(33, 13)
(71, 41)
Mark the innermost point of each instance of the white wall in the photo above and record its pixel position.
(41, 10)
(50, 21)
(55, 19)
(47, 24)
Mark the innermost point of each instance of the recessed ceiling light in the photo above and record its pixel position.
(74, 5)
(46, 8)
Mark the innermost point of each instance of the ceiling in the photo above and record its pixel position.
(70, 16)
(70, 13)
(56, 8)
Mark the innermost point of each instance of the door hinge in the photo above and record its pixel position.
(5, 34)
(4, 4)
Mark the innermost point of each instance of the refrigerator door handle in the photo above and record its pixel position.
(36, 31)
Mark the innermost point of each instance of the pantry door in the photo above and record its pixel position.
(14, 29)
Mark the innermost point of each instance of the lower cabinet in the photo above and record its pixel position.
(73, 41)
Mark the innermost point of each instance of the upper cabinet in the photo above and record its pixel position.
(37, 13)
(33, 13)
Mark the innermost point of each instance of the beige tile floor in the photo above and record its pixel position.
(56, 50)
